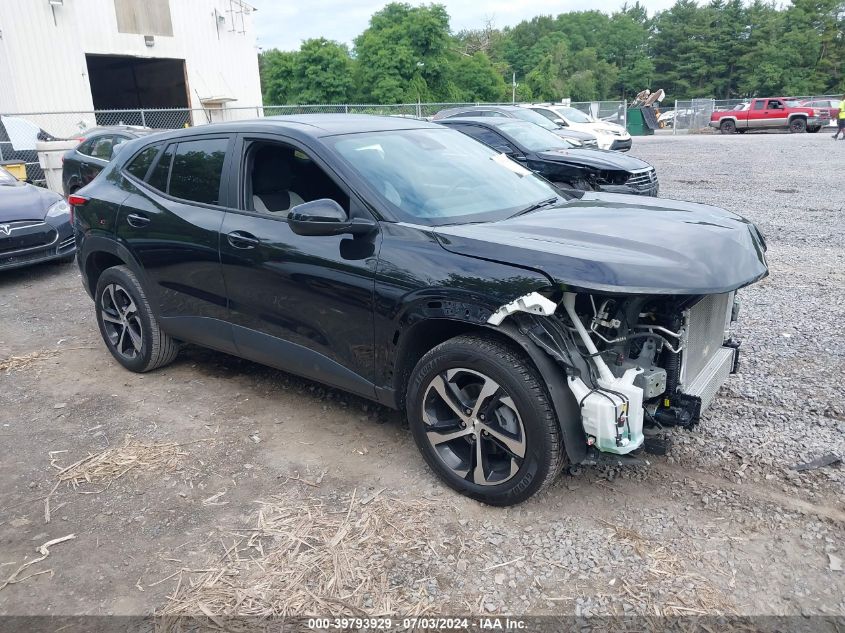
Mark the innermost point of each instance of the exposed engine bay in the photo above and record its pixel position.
(634, 361)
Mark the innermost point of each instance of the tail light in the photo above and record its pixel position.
(75, 201)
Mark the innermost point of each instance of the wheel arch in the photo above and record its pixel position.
(102, 253)
(424, 335)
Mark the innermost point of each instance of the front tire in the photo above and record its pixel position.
(814, 130)
(798, 126)
(128, 325)
(481, 416)
(727, 127)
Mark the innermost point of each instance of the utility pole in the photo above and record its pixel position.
(513, 86)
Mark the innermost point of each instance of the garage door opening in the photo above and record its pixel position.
(125, 83)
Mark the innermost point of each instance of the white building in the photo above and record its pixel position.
(84, 55)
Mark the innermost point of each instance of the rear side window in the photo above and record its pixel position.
(139, 165)
(102, 147)
(759, 105)
(158, 177)
(197, 169)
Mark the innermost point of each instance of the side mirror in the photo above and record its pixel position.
(326, 217)
(561, 122)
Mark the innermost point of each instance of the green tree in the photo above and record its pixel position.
(475, 78)
(403, 55)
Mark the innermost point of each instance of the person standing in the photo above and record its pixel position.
(840, 120)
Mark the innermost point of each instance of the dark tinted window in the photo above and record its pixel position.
(141, 163)
(197, 168)
(85, 148)
(102, 147)
(488, 137)
(158, 177)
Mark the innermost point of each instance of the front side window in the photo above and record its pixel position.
(440, 176)
(140, 165)
(488, 137)
(280, 177)
(197, 170)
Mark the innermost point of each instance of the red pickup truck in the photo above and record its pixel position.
(768, 114)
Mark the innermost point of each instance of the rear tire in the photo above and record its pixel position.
(128, 325)
(814, 129)
(798, 126)
(482, 418)
(727, 126)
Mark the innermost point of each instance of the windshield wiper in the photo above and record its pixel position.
(539, 205)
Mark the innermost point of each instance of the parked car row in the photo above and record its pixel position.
(520, 326)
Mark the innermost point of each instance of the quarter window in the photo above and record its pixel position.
(160, 173)
(197, 169)
(102, 147)
(141, 163)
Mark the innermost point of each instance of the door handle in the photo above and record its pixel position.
(242, 239)
(137, 220)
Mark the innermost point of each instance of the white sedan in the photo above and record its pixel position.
(609, 135)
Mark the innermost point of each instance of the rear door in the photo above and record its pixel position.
(171, 224)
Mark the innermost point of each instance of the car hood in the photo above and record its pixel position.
(22, 201)
(568, 132)
(597, 158)
(624, 244)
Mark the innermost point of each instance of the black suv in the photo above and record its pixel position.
(520, 327)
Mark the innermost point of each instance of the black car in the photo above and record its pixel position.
(81, 164)
(555, 159)
(576, 137)
(34, 225)
(518, 326)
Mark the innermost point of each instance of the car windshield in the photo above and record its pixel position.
(534, 117)
(573, 114)
(532, 137)
(438, 177)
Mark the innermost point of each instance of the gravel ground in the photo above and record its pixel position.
(721, 525)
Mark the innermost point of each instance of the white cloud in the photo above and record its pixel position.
(284, 25)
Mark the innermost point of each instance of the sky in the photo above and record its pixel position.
(283, 24)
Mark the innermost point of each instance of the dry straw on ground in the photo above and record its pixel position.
(19, 363)
(113, 463)
(662, 568)
(308, 556)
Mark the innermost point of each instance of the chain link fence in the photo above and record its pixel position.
(19, 131)
(693, 116)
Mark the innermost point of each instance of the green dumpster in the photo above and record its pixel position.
(642, 121)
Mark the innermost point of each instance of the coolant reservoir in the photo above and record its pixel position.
(613, 413)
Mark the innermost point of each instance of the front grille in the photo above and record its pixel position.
(705, 334)
(643, 180)
(23, 235)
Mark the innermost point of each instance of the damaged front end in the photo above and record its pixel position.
(630, 361)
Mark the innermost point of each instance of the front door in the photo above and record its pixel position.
(171, 224)
(300, 303)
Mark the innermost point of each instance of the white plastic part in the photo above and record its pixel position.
(534, 303)
(613, 413)
(569, 306)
